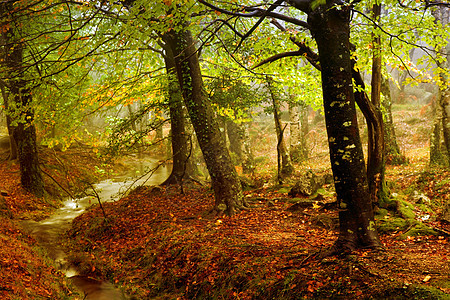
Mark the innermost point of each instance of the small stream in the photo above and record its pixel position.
(48, 231)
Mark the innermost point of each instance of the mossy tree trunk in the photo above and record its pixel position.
(180, 140)
(23, 127)
(12, 142)
(225, 181)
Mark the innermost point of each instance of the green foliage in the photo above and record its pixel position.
(233, 97)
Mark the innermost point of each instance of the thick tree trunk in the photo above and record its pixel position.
(286, 168)
(225, 181)
(13, 153)
(180, 140)
(24, 132)
(25, 135)
(330, 28)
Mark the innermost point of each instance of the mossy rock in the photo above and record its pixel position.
(415, 292)
(418, 230)
(381, 213)
(405, 209)
(284, 190)
(392, 224)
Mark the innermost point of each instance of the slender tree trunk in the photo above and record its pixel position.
(304, 124)
(375, 159)
(286, 167)
(239, 144)
(225, 181)
(24, 131)
(180, 140)
(298, 130)
(392, 150)
(159, 129)
(330, 27)
(295, 150)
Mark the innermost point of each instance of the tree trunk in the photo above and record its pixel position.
(225, 181)
(440, 137)
(392, 150)
(298, 129)
(286, 168)
(330, 28)
(439, 141)
(375, 157)
(159, 129)
(12, 142)
(180, 140)
(24, 131)
(240, 145)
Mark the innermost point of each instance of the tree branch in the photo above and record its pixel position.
(279, 56)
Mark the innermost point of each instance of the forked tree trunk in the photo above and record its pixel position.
(285, 166)
(225, 181)
(330, 27)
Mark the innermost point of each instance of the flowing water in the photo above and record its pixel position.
(48, 232)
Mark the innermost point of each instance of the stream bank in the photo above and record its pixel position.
(28, 270)
(48, 232)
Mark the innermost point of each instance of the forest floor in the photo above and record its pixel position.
(26, 272)
(157, 243)
(160, 244)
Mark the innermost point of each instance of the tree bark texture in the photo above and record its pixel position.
(24, 131)
(179, 138)
(330, 28)
(375, 153)
(440, 136)
(240, 145)
(12, 142)
(391, 149)
(298, 129)
(286, 168)
(225, 181)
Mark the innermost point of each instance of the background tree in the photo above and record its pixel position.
(225, 182)
(440, 136)
(20, 99)
(329, 25)
(285, 167)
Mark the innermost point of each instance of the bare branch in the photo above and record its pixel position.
(279, 56)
